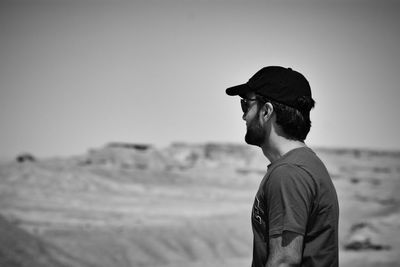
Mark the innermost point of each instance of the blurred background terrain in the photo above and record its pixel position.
(184, 205)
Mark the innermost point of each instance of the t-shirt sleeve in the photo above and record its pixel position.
(289, 196)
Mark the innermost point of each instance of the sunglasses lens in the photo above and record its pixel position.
(244, 105)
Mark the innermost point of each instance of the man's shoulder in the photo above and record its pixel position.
(283, 167)
(288, 174)
(304, 159)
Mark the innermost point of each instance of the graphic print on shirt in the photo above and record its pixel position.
(258, 216)
(257, 211)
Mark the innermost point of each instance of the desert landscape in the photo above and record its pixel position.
(128, 205)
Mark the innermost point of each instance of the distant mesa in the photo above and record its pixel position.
(359, 152)
(130, 145)
(26, 157)
(177, 156)
(127, 156)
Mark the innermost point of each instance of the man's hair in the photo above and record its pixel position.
(295, 123)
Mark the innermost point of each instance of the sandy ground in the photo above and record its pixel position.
(185, 206)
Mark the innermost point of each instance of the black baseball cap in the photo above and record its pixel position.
(280, 84)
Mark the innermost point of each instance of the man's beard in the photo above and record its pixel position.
(255, 134)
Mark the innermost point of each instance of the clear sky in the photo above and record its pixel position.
(75, 75)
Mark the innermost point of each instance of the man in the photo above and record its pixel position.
(295, 212)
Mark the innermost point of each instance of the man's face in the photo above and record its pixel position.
(255, 134)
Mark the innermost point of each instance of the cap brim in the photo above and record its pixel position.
(241, 89)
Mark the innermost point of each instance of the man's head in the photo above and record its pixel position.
(276, 92)
(251, 107)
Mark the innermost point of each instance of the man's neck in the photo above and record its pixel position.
(276, 150)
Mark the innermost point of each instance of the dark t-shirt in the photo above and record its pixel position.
(297, 195)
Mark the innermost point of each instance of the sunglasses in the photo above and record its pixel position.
(245, 103)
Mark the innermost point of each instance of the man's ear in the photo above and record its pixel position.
(266, 111)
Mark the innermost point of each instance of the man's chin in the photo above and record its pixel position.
(251, 140)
